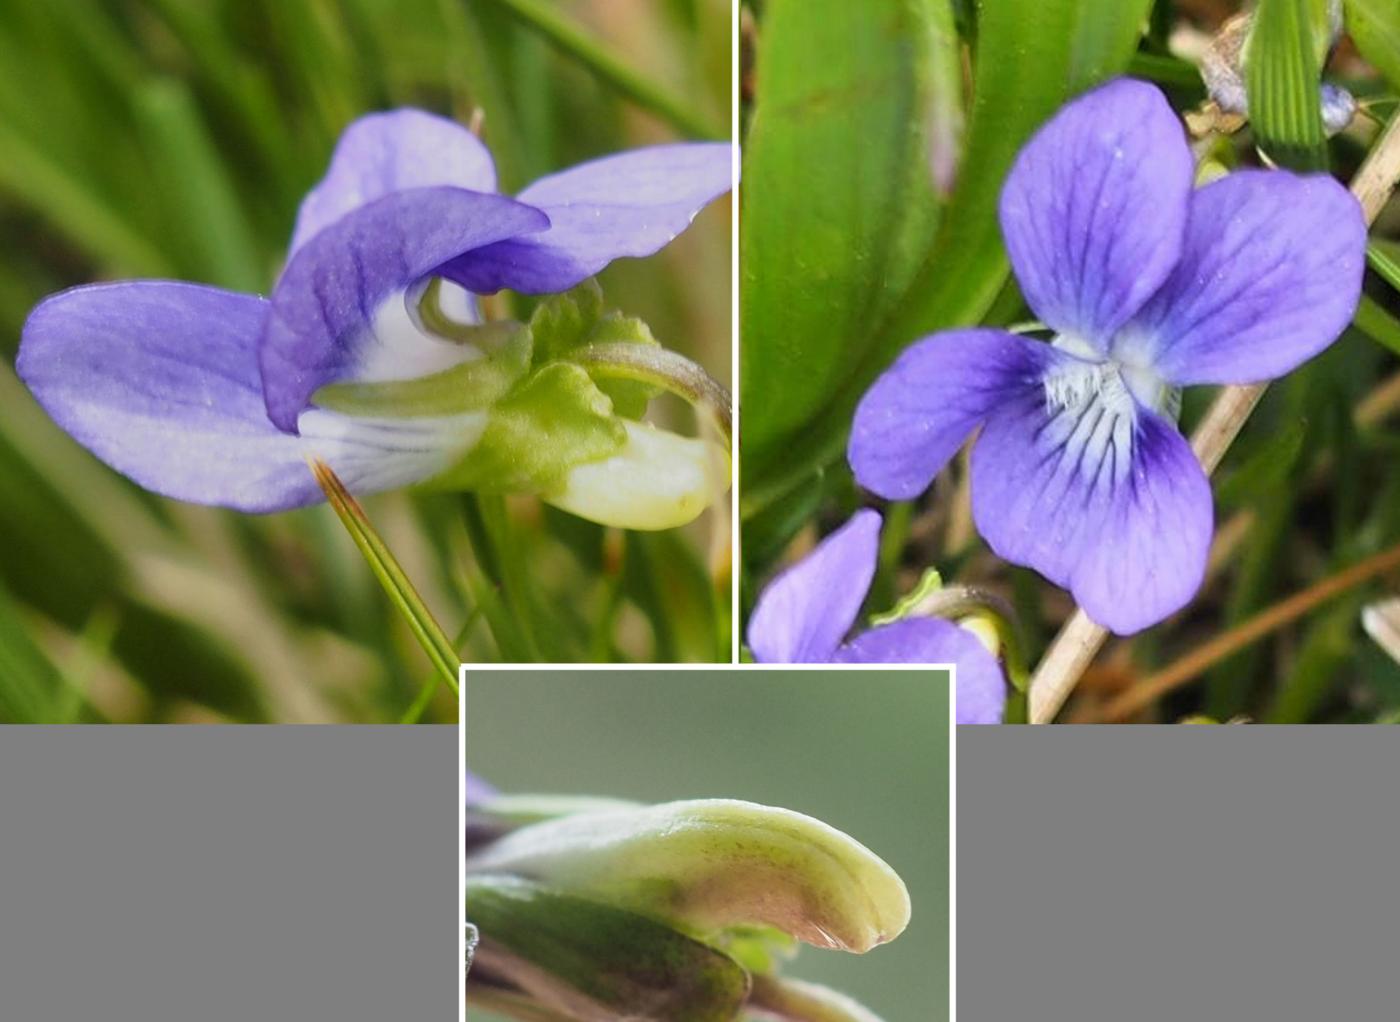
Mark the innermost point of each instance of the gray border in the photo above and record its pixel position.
(228, 873)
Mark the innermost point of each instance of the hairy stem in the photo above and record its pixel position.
(1075, 647)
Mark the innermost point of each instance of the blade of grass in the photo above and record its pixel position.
(429, 687)
(1384, 257)
(1190, 666)
(1376, 323)
(404, 597)
(610, 68)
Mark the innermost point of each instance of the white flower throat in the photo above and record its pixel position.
(1092, 408)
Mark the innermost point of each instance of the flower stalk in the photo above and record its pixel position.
(658, 367)
(1080, 640)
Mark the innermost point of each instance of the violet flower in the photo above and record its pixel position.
(1149, 285)
(213, 397)
(803, 615)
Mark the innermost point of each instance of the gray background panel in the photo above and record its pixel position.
(1178, 873)
(170, 874)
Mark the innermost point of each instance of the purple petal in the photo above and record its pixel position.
(804, 613)
(1094, 208)
(159, 379)
(392, 152)
(914, 418)
(1115, 508)
(630, 204)
(477, 790)
(1269, 277)
(326, 301)
(981, 685)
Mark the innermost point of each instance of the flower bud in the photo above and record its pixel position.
(712, 865)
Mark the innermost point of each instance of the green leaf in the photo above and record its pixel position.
(589, 960)
(716, 864)
(838, 193)
(1374, 25)
(1031, 56)
(555, 420)
(1283, 78)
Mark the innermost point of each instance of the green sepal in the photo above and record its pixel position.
(555, 420)
(589, 960)
(471, 386)
(564, 323)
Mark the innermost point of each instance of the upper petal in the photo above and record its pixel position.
(159, 379)
(1094, 208)
(1270, 275)
(980, 683)
(630, 204)
(327, 299)
(1103, 498)
(805, 612)
(392, 152)
(914, 418)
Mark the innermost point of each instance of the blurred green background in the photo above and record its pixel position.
(175, 138)
(866, 751)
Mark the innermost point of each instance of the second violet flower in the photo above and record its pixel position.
(1149, 285)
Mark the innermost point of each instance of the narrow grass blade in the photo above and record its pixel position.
(1376, 323)
(1384, 257)
(545, 19)
(396, 584)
